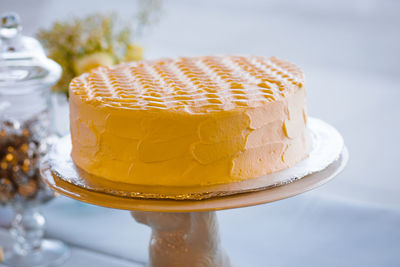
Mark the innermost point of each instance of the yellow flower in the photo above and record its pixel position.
(91, 61)
(134, 52)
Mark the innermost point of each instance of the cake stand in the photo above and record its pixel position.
(185, 231)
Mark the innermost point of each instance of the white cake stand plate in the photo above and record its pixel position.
(185, 231)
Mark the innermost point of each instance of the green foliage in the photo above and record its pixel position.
(68, 41)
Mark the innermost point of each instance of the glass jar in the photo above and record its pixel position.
(26, 76)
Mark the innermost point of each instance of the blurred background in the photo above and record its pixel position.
(349, 51)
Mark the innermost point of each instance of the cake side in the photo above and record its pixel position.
(245, 128)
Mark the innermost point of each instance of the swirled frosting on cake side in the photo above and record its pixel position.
(189, 121)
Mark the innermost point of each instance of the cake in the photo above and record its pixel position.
(189, 121)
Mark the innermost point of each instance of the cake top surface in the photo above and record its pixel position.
(190, 84)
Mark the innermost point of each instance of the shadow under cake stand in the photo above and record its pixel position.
(183, 220)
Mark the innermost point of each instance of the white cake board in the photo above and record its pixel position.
(185, 232)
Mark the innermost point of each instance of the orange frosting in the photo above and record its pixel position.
(189, 121)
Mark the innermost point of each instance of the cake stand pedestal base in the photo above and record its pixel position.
(183, 239)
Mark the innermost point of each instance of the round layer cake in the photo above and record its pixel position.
(189, 121)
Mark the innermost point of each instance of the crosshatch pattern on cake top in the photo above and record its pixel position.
(194, 84)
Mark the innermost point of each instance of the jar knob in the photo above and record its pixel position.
(10, 25)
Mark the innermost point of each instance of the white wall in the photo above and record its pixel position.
(356, 34)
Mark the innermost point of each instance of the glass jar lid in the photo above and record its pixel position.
(23, 63)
